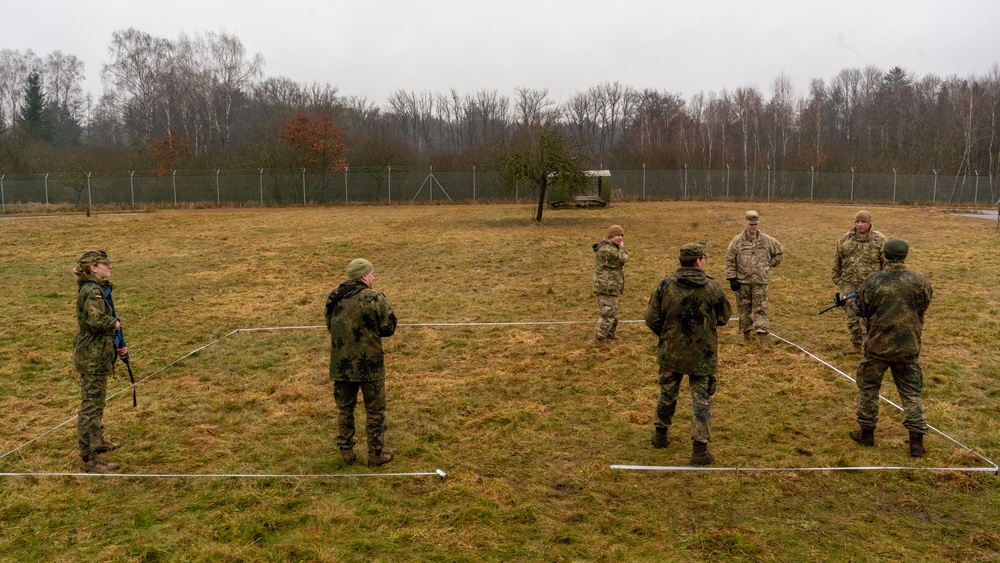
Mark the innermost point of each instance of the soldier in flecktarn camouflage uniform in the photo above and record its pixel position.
(683, 312)
(750, 256)
(610, 258)
(859, 254)
(893, 302)
(358, 317)
(94, 356)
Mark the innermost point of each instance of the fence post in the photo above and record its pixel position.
(727, 180)
(303, 187)
(173, 175)
(894, 186)
(685, 180)
(345, 183)
(218, 194)
(852, 183)
(975, 201)
(131, 185)
(90, 200)
(812, 182)
(768, 182)
(473, 183)
(46, 189)
(3, 201)
(430, 182)
(934, 193)
(643, 181)
(390, 184)
(262, 187)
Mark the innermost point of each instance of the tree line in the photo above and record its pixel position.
(205, 103)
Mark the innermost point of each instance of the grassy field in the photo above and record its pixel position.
(525, 419)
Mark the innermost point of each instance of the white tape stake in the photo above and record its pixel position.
(436, 472)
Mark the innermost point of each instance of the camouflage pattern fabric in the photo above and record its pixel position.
(684, 312)
(748, 259)
(893, 302)
(93, 348)
(609, 262)
(346, 395)
(856, 259)
(607, 322)
(89, 428)
(702, 389)
(909, 380)
(358, 318)
(751, 305)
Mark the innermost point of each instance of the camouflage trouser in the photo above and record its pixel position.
(855, 324)
(909, 379)
(89, 428)
(608, 321)
(346, 395)
(751, 302)
(702, 389)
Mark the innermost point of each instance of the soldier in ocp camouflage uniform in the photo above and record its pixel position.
(683, 312)
(750, 256)
(610, 258)
(358, 317)
(94, 356)
(859, 254)
(893, 301)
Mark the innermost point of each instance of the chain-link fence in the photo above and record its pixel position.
(264, 187)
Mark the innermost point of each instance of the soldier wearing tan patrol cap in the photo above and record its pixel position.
(750, 256)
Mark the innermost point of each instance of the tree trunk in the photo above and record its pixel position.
(541, 199)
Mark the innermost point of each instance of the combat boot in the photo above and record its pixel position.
(660, 440)
(916, 444)
(379, 457)
(865, 436)
(700, 455)
(348, 455)
(857, 348)
(765, 346)
(747, 339)
(93, 464)
(106, 447)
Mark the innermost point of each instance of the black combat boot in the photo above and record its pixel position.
(865, 436)
(700, 455)
(916, 444)
(660, 439)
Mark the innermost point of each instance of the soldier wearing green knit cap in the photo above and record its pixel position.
(610, 258)
(893, 302)
(358, 317)
(858, 255)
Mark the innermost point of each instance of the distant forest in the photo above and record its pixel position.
(202, 102)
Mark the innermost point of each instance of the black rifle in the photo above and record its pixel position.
(839, 301)
(120, 341)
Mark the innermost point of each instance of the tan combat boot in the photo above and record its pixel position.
(348, 455)
(107, 446)
(747, 339)
(765, 345)
(379, 457)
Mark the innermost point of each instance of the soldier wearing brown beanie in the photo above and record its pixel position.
(858, 255)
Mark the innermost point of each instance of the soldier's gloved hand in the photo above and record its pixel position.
(733, 284)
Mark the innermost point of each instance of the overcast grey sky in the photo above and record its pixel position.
(374, 47)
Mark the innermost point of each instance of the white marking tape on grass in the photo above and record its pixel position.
(760, 469)
(437, 472)
(992, 469)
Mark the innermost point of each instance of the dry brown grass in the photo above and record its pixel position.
(525, 419)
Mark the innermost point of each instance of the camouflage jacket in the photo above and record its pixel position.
(93, 348)
(357, 318)
(857, 258)
(684, 311)
(894, 301)
(749, 259)
(609, 262)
